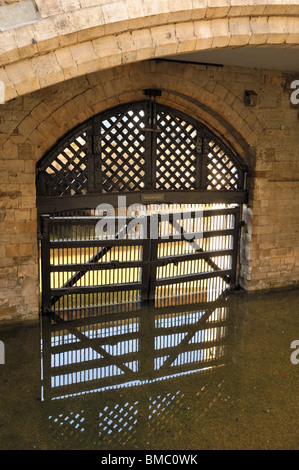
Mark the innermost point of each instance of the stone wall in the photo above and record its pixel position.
(266, 136)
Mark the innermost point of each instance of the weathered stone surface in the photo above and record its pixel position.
(18, 13)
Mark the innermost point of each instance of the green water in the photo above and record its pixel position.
(181, 378)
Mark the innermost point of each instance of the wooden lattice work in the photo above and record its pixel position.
(222, 172)
(122, 147)
(176, 157)
(139, 147)
(65, 171)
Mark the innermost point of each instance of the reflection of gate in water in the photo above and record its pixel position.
(116, 355)
(192, 256)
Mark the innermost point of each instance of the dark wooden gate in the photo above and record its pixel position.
(156, 157)
(192, 255)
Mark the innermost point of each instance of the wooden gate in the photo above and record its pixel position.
(157, 256)
(161, 159)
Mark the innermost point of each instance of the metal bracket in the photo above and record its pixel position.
(152, 92)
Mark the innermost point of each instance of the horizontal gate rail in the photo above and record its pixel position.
(84, 268)
(93, 243)
(94, 342)
(194, 277)
(53, 204)
(95, 363)
(164, 260)
(206, 234)
(94, 289)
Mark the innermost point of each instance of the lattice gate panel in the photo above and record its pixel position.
(136, 147)
(122, 148)
(222, 173)
(176, 157)
(65, 171)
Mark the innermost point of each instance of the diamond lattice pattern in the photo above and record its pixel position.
(122, 151)
(176, 153)
(127, 147)
(66, 171)
(221, 171)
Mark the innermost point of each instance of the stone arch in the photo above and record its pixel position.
(66, 42)
(181, 88)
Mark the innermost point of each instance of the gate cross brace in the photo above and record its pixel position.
(211, 263)
(76, 277)
(172, 357)
(85, 341)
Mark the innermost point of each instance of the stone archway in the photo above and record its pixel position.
(70, 40)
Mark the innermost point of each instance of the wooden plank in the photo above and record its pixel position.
(45, 255)
(146, 259)
(60, 291)
(162, 261)
(84, 268)
(203, 235)
(95, 243)
(193, 277)
(52, 205)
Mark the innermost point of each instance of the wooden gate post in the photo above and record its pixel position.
(45, 260)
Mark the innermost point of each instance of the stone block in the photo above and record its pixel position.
(22, 75)
(51, 8)
(18, 250)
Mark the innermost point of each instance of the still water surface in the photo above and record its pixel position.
(202, 376)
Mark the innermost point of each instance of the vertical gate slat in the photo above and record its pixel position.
(45, 259)
(146, 259)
